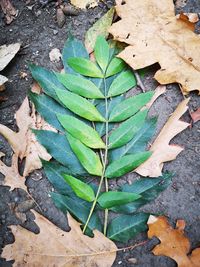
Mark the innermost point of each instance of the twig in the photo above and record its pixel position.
(139, 81)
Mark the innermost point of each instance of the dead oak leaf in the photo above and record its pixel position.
(162, 151)
(173, 242)
(153, 34)
(55, 247)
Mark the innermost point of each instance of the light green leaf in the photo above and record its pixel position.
(81, 131)
(88, 158)
(80, 188)
(124, 82)
(111, 199)
(101, 52)
(85, 67)
(80, 85)
(125, 132)
(79, 105)
(126, 164)
(116, 65)
(130, 106)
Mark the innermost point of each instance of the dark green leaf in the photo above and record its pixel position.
(80, 85)
(111, 199)
(81, 189)
(79, 105)
(81, 131)
(116, 65)
(124, 82)
(125, 132)
(126, 227)
(87, 157)
(58, 146)
(126, 164)
(101, 52)
(129, 107)
(138, 143)
(85, 67)
(148, 188)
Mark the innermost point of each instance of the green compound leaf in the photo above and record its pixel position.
(85, 67)
(111, 199)
(126, 227)
(129, 107)
(87, 157)
(81, 131)
(79, 105)
(125, 132)
(116, 65)
(148, 188)
(126, 164)
(81, 189)
(124, 82)
(101, 52)
(80, 85)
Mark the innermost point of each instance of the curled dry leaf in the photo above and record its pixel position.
(55, 247)
(173, 242)
(153, 34)
(162, 150)
(84, 3)
(9, 10)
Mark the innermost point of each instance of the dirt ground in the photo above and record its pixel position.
(38, 32)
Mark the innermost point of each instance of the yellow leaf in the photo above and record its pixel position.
(153, 34)
(55, 247)
(162, 150)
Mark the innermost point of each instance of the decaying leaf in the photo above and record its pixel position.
(162, 150)
(195, 115)
(174, 243)
(153, 34)
(54, 247)
(9, 10)
(84, 3)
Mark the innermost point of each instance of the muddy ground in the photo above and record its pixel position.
(38, 32)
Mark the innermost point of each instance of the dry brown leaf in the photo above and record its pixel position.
(7, 53)
(195, 115)
(55, 247)
(9, 10)
(36, 88)
(153, 34)
(174, 243)
(191, 17)
(84, 3)
(162, 151)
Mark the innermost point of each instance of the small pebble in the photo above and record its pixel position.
(132, 260)
(55, 32)
(119, 262)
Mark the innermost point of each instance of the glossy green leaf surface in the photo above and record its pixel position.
(116, 65)
(126, 164)
(81, 131)
(129, 107)
(81, 189)
(85, 67)
(79, 105)
(124, 82)
(80, 85)
(101, 52)
(125, 132)
(113, 198)
(87, 157)
(126, 227)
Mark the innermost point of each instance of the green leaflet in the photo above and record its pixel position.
(88, 158)
(126, 164)
(125, 132)
(129, 107)
(79, 105)
(101, 52)
(80, 85)
(126, 227)
(80, 188)
(124, 82)
(116, 65)
(85, 67)
(81, 131)
(111, 199)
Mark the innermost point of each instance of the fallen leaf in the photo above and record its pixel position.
(173, 242)
(55, 55)
(162, 151)
(195, 115)
(3, 79)
(160, 90)
(84, 3)
(100, 27)
(9, 10)
(55, 247)
(153, 34)
(191, 17)
(7, 53)
(36, 88)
